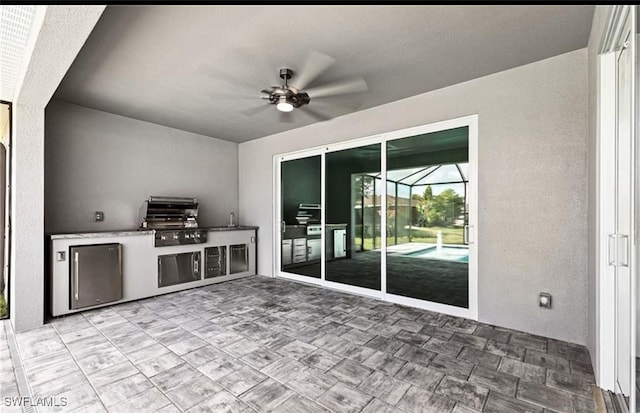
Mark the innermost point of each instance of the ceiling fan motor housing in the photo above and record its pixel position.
(294, 96)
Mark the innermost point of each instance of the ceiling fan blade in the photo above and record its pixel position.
(315, 64)
(255, 110)
(243, 96)
(315, 114)
(338, 102)
(218, 74)
(338, 88)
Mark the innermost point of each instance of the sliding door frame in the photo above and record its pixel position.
(471, 122)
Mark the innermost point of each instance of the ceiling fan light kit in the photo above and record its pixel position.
(286, 97)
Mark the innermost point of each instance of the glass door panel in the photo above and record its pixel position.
(427, 254)
(353, 217)
(300, 199)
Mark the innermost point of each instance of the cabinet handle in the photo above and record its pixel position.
(284, 226)
(195, 266)
(76, 267)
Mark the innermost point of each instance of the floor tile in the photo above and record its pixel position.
(528, 341)
(384, 387)
(469, 394)
(498, 403)
(452, 366)
(186, 346)
(415, 354)
(296, 350)
(378, 406)
(350, 372)
(159, 364)
(321, 360)
(311, 383)
(491, 333)
(175, 376)
(525, 371)
(123, 389)
(300, 404)
(342, 398)
(494, 380)
(443, 347)
(221, 402)
(241, 380)
(417, 400)
(384, 362)
(545, 396)
(266, 396)
(203, 355)
(420, 376)
(284, 368)
(549, 361)
(505, 350)
(146, 402)
(481, 358)
(192, 392)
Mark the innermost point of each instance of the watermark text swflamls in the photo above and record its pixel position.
(51, 401)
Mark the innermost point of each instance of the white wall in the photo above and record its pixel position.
(98, 161)
(532, 185)
(57, 37)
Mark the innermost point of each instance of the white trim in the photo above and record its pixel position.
(605, 215)
(471, 122)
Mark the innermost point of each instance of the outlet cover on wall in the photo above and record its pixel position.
(544, 300)
(99, 216)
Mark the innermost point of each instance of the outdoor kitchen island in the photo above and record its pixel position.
(95, 269)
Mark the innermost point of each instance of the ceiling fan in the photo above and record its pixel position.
(294, 94)
(287, 97)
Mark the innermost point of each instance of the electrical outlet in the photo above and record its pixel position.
(544, 300)
(99, 216)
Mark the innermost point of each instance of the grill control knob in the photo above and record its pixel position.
(197, 234)
(176, 235)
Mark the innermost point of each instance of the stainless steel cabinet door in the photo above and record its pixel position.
(96, 274)
(178, 268)
(239, 258)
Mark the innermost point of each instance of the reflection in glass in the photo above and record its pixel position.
(300, 200)
(353, 216)
(427, 253)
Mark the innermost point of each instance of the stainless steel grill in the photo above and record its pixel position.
(173, 219)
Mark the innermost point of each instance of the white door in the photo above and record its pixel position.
(623, 220)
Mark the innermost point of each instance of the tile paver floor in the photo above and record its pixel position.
(262, 344)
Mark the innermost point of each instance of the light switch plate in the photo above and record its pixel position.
(99, 216)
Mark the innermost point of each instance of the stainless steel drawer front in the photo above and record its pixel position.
(178, 268)
(215, 262)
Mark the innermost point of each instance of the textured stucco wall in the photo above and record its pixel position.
(98, 161)
(61, 34)
(532, 185)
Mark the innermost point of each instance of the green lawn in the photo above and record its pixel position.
(3, 306)
(421, 234)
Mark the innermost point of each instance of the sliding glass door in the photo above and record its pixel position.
(299, 236)
(353, 210)
(427, 247)
(391, 216)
